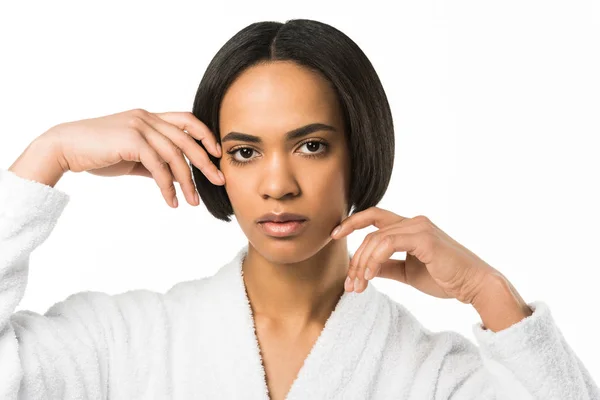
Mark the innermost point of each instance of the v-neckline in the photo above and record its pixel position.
(328, 356)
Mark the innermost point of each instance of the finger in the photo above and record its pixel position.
(393, 269)
(371, 216)
(190, 148)
(170, 153)
(160, 170)
(407, 225)
(380, 255)
(369, 244)
(174, 156)
(361, 255)
(355, 263)
(140, 170)
(187, 121)
(378, 251)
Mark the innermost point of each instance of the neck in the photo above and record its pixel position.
(296, 295)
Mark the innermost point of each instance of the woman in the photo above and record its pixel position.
(301, 121)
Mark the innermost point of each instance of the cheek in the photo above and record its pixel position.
(237, 190)
(327, 184)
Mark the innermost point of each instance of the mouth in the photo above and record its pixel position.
(282, 229)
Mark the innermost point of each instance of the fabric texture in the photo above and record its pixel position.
(198, 339)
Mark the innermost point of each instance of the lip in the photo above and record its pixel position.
(281, 217)
(282, 229)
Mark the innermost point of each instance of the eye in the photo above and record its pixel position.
(312, 145)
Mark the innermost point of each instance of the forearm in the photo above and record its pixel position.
(39, 162)
(499, 305)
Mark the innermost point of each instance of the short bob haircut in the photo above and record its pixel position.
(324, 49)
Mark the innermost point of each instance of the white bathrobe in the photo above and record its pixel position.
(197, 341)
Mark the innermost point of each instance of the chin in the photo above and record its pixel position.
(287, 250)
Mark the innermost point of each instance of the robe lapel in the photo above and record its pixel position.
(328, 368)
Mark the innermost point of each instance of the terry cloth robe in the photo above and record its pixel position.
(197, 340)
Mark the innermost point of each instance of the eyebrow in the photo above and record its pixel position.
(291, 135)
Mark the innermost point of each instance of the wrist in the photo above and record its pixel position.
(40, 161)
(499, 305)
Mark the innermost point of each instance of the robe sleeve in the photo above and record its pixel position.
(528, 360)
(81, 347)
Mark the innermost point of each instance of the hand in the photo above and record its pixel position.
(435, 263)
(138, 142)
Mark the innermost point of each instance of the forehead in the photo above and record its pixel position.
(277, 97)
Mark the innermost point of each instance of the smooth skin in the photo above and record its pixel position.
(294, 283)
(136, 142)
(435, 263)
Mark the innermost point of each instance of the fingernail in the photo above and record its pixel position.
(336, 230)
(175, 202)
(219, 149)
(221, 176)
(367, 273)
(196, 198)
(356, 284)
(347, 284)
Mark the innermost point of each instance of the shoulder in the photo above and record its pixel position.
(190, 291)
(128, 305)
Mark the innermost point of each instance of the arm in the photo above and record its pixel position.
(82, 346)
(40, 162)
(33, 360)
(522, 355)
(500, 305)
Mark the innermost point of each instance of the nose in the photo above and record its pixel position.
(278, 179)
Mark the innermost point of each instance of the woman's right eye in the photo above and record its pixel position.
(246, 152)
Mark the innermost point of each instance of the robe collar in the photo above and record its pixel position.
(328, 367)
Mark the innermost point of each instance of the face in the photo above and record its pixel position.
(276, 170)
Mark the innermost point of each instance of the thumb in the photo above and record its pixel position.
(140, 170)
(393, 269)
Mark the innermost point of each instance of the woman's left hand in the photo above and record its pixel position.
(435, 263)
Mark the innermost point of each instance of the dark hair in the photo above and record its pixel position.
(325, 49)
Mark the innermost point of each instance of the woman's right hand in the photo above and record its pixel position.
(138, 142)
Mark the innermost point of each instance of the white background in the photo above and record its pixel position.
(496, 108)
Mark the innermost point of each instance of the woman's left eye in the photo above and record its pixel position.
(312, 145)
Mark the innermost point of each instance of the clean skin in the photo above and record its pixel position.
(293, 283)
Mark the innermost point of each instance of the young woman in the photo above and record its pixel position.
(291, 132)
